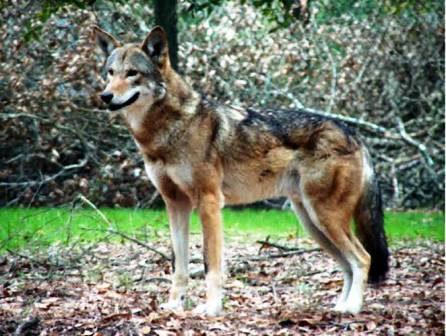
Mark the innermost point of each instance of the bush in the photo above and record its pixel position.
(383, 64)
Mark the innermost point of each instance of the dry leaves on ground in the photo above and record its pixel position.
(116, 289)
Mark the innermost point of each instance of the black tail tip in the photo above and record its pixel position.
(379, 268)
(376, 279)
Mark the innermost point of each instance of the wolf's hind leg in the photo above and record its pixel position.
(334, 222)
(326, 244)
(361, 265)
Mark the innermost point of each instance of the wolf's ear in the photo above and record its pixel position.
(107, 42)
(155, 46)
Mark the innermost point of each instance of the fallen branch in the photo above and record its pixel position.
(136, 241)
(280, 255)
(266, 244)
(311, 273)
(115, 232)
(157, 279)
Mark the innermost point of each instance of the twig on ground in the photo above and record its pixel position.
(115, 232)
(279, 255)
(273, 289)
(266, 244)
(311, 273)
(136, 241)
(157, 279)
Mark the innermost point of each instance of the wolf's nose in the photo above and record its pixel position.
(106, 97)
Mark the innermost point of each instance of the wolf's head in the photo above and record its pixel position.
(135, 73)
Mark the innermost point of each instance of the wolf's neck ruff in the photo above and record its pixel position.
(160, 130)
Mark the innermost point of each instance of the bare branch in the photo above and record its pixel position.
(333, 76)
(115, 232)
(358, 122)
(411, 141)
(64, 170)
(136, 241)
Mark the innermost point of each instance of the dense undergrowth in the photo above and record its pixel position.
(374, 63)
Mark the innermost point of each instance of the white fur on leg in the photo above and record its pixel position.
(177, 298)
(354, 301)
(311, 222)
(211, 309)
(340, 305)
(179, 229)
(173, 305)
(214, 296)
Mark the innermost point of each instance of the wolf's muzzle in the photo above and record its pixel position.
(114, 107)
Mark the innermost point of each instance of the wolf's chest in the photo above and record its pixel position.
(180, 174)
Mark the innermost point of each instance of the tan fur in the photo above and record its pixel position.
(198, 156)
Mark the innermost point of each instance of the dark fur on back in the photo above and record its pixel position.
(284, 123)
(295, 129)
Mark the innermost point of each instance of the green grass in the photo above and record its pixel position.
(42, 226)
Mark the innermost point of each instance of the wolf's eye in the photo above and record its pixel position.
(110, 71)
(131, 73)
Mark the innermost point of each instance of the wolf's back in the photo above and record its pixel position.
(299, 129)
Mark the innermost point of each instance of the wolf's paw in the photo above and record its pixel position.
(210, 309)
(340, 307)
(173, 306)
(351, 307)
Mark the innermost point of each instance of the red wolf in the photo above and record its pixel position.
(203, 155)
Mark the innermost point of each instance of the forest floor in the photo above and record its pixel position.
(116, 289)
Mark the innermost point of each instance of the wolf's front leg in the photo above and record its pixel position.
(210, 216)
(179, 214)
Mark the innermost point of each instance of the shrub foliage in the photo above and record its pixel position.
(375, 61)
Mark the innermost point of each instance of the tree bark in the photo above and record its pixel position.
(166, 17)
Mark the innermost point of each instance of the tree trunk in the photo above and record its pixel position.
(166, 17)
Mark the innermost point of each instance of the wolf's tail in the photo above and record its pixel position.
(369, 218)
